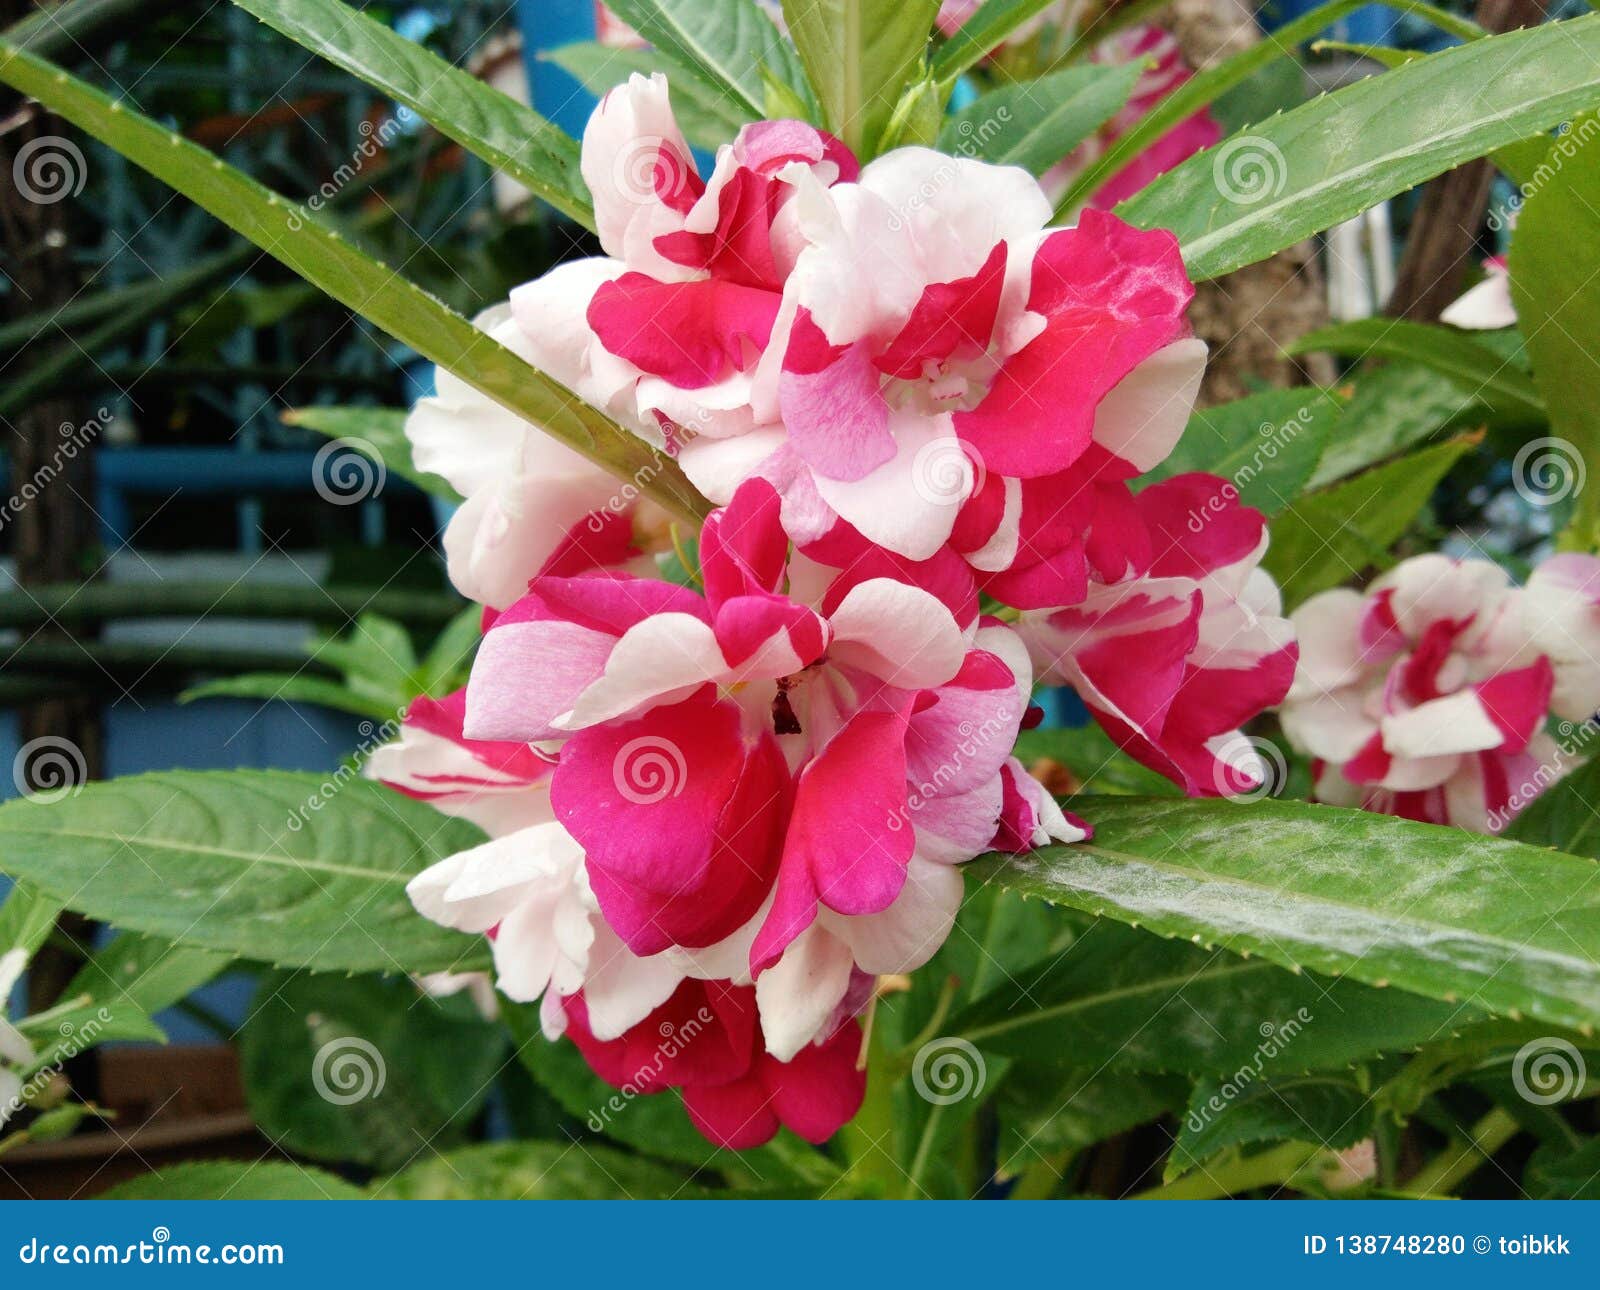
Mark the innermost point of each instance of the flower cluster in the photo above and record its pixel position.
(720, 807)
(1428, 696)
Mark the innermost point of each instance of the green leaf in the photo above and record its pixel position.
(1385, 54)
(235, 1180)
(1563, 816)
(1326, 1108)
(378, 433)
(728, 41)
(984, 31)
(1035, 124)
(1122, 999)
(859, 56)
(513, 138)
(364, 1069)
(290, 687)
(1265, 444)
(1391, 408)
(1329, 159)
(1330, 536)
(321, 255)
(1475, 368)
(1554, 262)
(115, 995)
(537, 1171)
(1045, 1114)
(1554, 1174)
(26, 919)
(707, 116)
(916, 118)
(296, 869)
(1447, 914)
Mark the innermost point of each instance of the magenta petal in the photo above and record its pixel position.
(850, 824)
(747, 624)
(821, 1087)
(691, 334)
(743, 547)
(1111, 296)
(736, 1116)
(1197, 525)
(833, 405)
(950, 316)
(1518, 701)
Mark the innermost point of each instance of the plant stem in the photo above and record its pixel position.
(869, 1138)
(1461, 1159)
(1270, 1169)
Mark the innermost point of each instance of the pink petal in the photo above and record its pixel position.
(691, 334)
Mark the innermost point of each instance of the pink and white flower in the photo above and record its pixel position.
(1174, 662)
(777, 753)
(1427, 695)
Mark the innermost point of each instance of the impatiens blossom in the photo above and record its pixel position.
(793, 749)
(1427, 695)
(1174, 662)
(1487, 306)
(907, 351)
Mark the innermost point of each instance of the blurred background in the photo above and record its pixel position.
(194, 574)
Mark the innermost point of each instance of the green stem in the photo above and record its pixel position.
(1274, 1168)
(869, 1138)
(1462, 1158)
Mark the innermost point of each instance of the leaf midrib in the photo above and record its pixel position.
(221, 853)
